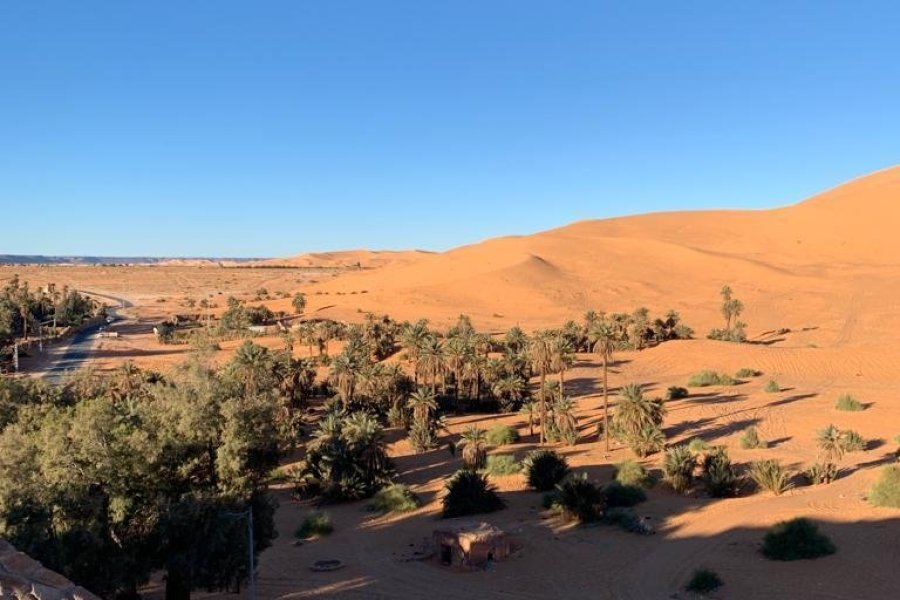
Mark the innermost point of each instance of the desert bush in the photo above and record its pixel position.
(502, 464)
(316, 524)
(770, 475)
(707, 378)
(544, 469)
(747, 372)
(626, 519)
(469, 493)
(736, 334)
(719, 477)
(394, 498)
(797, 539)
(648, 440)
(750, 439)
(621, 495)
(848, 403)
(772, 387)
(502, 435)
(580, 498)
(886, 491)
(703, 581)
(678, 468)
(631, 472)
(698, 446)
(851, 441)
(820, 472)
(676, 393)
(423, 436)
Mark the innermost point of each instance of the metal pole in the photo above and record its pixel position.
(250, 535)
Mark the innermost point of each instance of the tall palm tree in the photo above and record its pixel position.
(412, 339)
(343, 376)
(603, 338)
(561, 358)
(564, 417)
(528, 409)
(540, 355)
(474, 447)
(511, 387)
(431, 361)
(456, 352)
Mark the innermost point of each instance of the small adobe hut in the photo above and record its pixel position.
(471, 545)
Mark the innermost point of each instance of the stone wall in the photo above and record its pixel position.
(23, 578)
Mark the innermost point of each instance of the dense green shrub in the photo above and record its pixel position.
(544, 469)
(719, 477)
(678, 468)
(770, 475)
(848, 403)
(502, 464)
(797, 539)
(676, 393)
(703, 581)
(631, 472)
(746, 372)
(886, 491)
(502, 435)
(469, 493)
(772, 387)
(621, 495)
(750, 439)
(580, 498)
(707, 378)
(315, 524)
(394, 498)
(820, 472)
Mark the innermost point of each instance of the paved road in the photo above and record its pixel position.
(72, 356)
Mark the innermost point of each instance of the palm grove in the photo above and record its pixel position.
(112, 478)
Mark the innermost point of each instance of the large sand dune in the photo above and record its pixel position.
(830, 263)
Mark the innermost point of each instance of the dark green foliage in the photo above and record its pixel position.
(502, 435)
(704, 581)
(315, 524)
(678, 468)
(394, 498)
(676, 393)
(346, 460)
(770, 475)
(469, 493)
(633, 473)
(637, 421)
(707, 378)
(797, 539)
(620, 495)
(544, 469)
(719, 477)
(886, 491)
(580, 498)
(750, 439)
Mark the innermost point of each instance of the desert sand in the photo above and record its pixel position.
(824, 272)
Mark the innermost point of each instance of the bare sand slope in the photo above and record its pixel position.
(831, 262)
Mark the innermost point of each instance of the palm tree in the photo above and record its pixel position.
(831, 451)
(343, 376)
(423, 404)
(474, 447)
(561, 358)
(430, 361)
(299, 302)
(511, 387)
(528, 409)
(412, 339)
(540, 355)
(637, 413)
(564, 417)
(603, 338)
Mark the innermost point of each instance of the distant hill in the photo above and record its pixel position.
(39, 259)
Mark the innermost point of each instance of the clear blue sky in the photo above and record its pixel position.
(267, 128)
